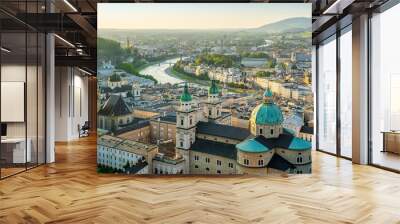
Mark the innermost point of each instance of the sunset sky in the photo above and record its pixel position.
(196, 15)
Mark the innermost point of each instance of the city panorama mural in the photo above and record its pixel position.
(213, 89)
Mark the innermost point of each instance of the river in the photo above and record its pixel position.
(158, 71)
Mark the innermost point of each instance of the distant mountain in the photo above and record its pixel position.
(297, 24)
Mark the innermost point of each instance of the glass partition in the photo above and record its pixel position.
(346, 92)
(327, 96)
(22, 77)
(385, 89)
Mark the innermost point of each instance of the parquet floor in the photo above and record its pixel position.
(70, 191)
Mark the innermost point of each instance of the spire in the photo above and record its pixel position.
(213, 88)
(268, 96)
(186, 97)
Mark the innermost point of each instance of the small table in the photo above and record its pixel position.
(391, 141)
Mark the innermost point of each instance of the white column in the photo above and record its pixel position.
(50, 101)
(360, 90)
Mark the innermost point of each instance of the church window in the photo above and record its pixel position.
(219, 171)
(196, 166)
(207, 160)
(190, 121)
(208, 169)
(272, 131)
(299, 159)
(209, 112)
(261, 131)
(261, 162)
(246, 162)
(230, 165)
(219, 163)
(181, 144)
(196, 157)
(182, 122)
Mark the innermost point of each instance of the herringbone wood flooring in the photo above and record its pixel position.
(70, 191)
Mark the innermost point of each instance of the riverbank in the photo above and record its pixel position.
(179, 75)
(184, 77)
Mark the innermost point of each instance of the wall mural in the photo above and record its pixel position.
(204, 88)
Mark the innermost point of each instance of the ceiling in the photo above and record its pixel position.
(75, 21)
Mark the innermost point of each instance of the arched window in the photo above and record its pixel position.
(261, 162)
(181, 121)
(219, 171)
(272, 131)
(208, 169)
(261, 131)
(299, 159)
(246, 162)
(209, 112)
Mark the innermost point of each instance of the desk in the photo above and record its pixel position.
(391, 141)
(13, 150)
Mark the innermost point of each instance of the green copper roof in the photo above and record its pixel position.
(252, 145)
(299, 144)
(267, 114)
(114, 78)
(268, 93)
(213, 88)
(186, 97)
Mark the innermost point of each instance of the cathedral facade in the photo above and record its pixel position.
(211, 147)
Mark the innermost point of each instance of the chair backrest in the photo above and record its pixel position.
(86, 125)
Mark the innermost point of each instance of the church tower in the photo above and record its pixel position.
(185, 126)
(214, 104)
(136, 90)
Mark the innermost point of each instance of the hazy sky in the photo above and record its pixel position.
(196, 15)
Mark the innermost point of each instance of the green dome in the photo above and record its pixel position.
(267, 114)
(252, 145)
(213, 88)
(186, 97)
(299, 144)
